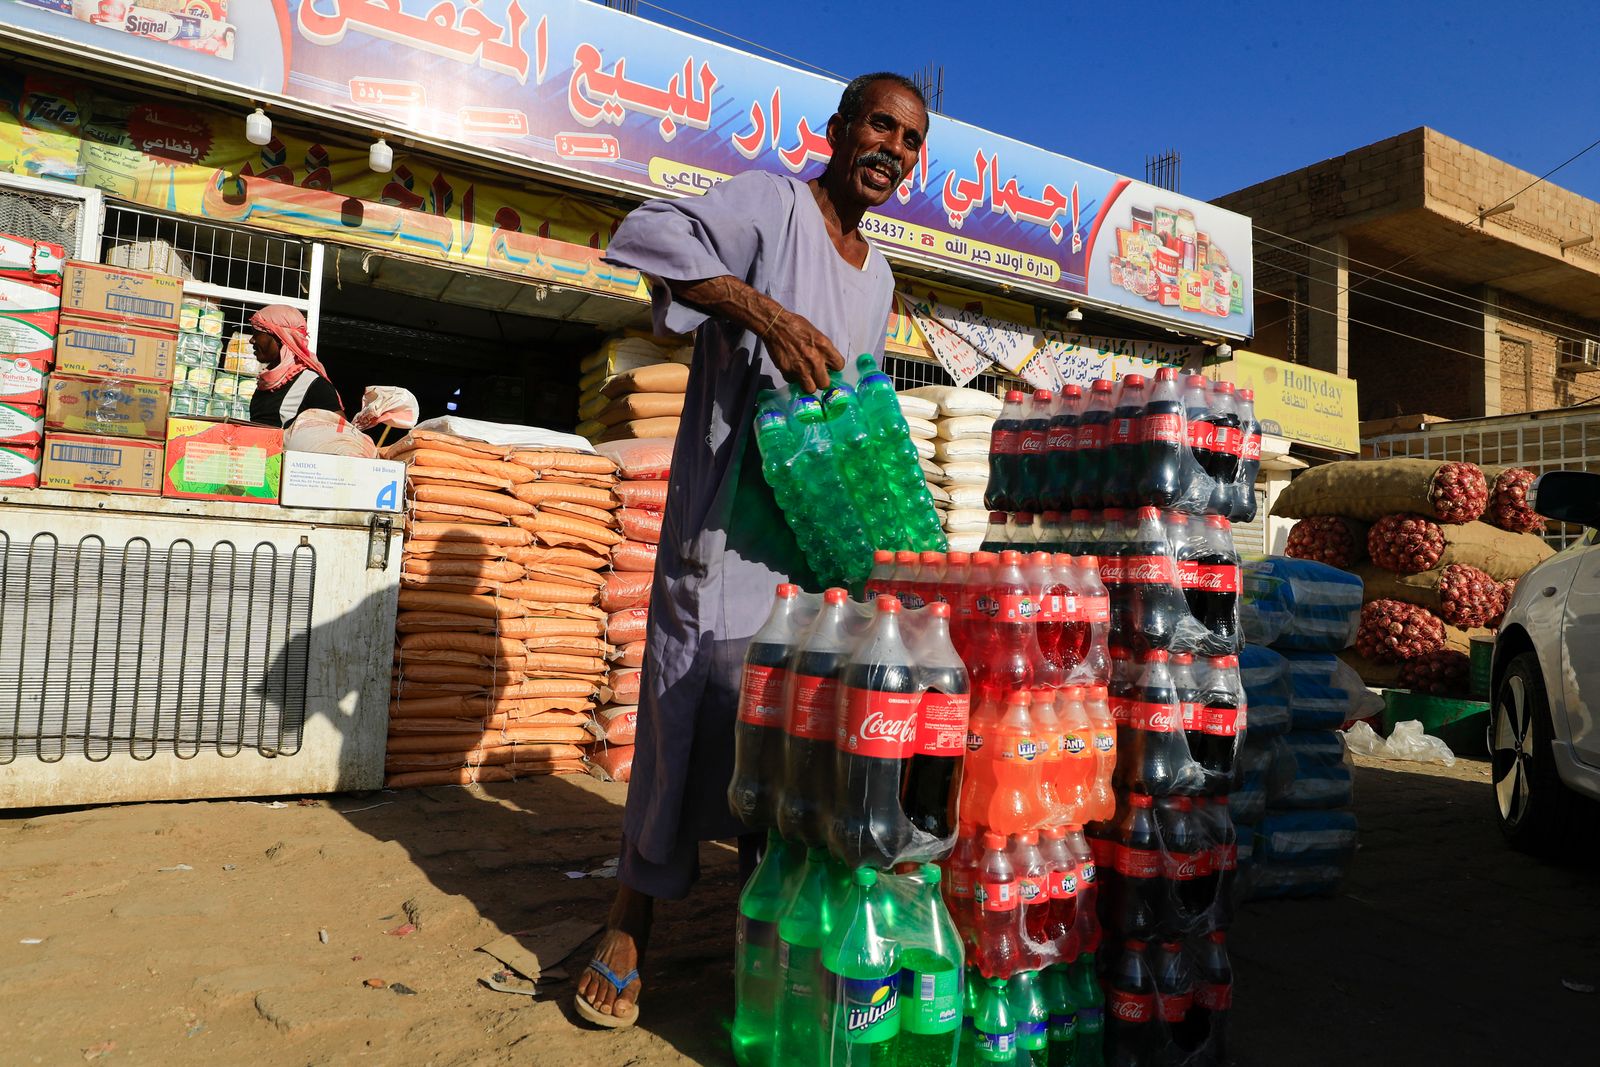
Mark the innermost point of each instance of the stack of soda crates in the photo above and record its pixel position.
(1147, 476)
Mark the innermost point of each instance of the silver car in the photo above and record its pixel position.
(1544, 733)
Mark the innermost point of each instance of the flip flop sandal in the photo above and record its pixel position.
(600, 1018)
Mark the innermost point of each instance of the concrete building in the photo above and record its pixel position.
(1386, 264)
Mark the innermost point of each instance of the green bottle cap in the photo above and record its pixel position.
(932, 874)
(866, 876)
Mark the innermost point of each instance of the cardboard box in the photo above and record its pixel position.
(313, 480)
(107, 464)
(223, 461)
(30, 296)
(115, 350)
(21, 381)
(30, 337)
(23, 257)
(111, 294)
(21, 424)
(19, 466)
(107, 407)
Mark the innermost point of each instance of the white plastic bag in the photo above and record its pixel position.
(387, 405)
(328, 433)
(1407, 742)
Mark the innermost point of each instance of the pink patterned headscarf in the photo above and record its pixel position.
(289, 327)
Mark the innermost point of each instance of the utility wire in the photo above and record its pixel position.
(742, 40)
(1572, 159)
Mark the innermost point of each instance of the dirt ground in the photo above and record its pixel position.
(1442, 947)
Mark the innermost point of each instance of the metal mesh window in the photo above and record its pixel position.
(207, 253)
(908, 373)
(41, 217)
(136, 649)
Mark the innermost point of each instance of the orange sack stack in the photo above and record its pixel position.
(501, 656)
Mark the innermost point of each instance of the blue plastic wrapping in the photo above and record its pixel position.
(1311, 606)
(1265, 675)
(1319, 707)
(1307, 838)
(1320, 778)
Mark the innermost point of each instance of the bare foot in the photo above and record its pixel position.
(621, 948)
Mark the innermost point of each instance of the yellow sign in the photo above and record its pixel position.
(1305, 405)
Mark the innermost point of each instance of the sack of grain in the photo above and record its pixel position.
(1458, 594)
(613, 763)
(1370, 489)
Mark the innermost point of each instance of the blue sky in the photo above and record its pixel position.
(1244, 91)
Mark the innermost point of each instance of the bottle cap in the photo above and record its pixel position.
(996, 516)
(1099, 692)
(866, 876)
(1073, 693)
(993, 842)
(882, 555)
(984, 559)
(932, 557)
(939, 609)
(1247, 394)
(1113, 514)
(1019, 697)
(1133, 381)
(1101, 385)
(1051, 518)
(1174, 518)
(1024, 518)
(1224, 388)
(931, 874)
(1217, 937)
(888, 605)
(1183, 659)
(1027, 837)
(998, 984)
(786, 591)
(836, 596)
(1220, 800)
(1183, 803)
(1219, 522)
(1087, 562)
(905, 557)
(1079, 515)
(1195, 381)
(1167, 374)
(1062, 559)
(1137, 946)
(1155, 655)
(1071, 391)
(1040, 558)
(1011, 558)
(958, 559)
(1054, 833)
(1146, 514)
(1015, 396)
(1043, 394)
(1139, 800)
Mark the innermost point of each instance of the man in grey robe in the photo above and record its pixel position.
(776, 280)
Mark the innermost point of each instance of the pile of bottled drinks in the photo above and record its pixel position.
(844, 470)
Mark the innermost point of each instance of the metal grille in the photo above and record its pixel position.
(908, 373)
(207, 253)
(139, 650)
(1560, 442)
(41, 217)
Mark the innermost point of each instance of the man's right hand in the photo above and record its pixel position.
(803, 353)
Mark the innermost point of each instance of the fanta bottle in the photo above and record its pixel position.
(1103, 730)
(1016, 803)
(1077, 765)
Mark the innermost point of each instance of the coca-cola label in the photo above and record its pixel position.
(1092, 436)
(1032, 443)
(814, 712)
(1220, 722)
(1164, 428)
(1216, 578)
(942, 723)
(877, 724)
(1191, 716)
(1214, 996)
(1097, 608)
(1185, 866)
(1104, 851)
(1175, 1006)
(1111, 571)
(1004, 442)
(1125, 432)
(1148, 570)
(1122, 710)
(761, 696)
(996, 896)
(1252, 448)
(1063, 884)
(1138, 862)
(1157, 718)
(1132, 1007)
(1033, 890)
(1189, 573)
(1061, 438)
(1227, 440)
(1225, 857)
(1203, 436)
(1016, 607)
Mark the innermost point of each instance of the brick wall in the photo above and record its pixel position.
(1329, 196)
(1530, 378)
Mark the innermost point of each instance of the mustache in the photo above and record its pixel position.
(880, 158)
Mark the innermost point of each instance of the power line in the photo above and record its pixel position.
(1385, 329)
(742, 40)
(1581, 153)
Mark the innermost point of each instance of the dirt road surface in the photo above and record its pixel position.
(1442, 947)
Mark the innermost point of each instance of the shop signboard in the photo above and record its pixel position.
(579, 88)
(1305, 405)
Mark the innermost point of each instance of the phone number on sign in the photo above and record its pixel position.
(880, 227)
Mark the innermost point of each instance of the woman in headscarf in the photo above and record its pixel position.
(292, 380)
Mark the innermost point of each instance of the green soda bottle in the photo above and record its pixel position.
(930, 979)
(1058, 997)
(862, 998)
(797, 1025)
(969, 1011)
(1033, 1019)
(821, 486)
(859, 464)
(1091, 1004)
(755, 974)
(994, 1030)
(902, 467)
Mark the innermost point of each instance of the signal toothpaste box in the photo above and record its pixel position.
(19, 466)
(106, 464)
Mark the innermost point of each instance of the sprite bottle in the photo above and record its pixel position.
(1059, 998)
(994, 1030)
(969, 1012)
(797, 1026)
(1090, 1001)
(930, 979)
(1032, 1018)
(862, 967)
(755, 972)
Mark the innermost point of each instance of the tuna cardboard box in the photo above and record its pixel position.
(223, 461)
(110, 294)
(106, 407)
(104, 464)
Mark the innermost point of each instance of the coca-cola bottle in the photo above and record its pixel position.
(1209, 878)
(1061, 447)
(1186, 683)
(758, 737)
(1156, 756)
(1222, 713)
(1094, 435)
(941, 726)
(1244, 486)
(997, 535)
(1213, 997)
(1174, 999)
(1132, 1024)
(1185, 868)
(878, 698)
(1005, 450)
(1033, 887)
(1221, 443)
(1022, 532)
(1125, 469)
(1083, 538)
(1033, 461)
(1197, 415)
(1153, 605)
(1224, 841)
(1136, 903)
(881, 579)
(1165, 444)
(810, 722)
(1212, 581)
(960, 877)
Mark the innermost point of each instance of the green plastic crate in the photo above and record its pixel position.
(1461, 724)
(1482, 660)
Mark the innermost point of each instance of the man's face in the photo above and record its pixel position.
(879, 146)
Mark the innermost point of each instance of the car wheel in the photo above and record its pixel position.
(1530, 801)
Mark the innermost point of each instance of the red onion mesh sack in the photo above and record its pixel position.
(1443, 673)
(1468, 597)
(1330, 539)
(1508, 502)
(1405, 544)
(1393, 631)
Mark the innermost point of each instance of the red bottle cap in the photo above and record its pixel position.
(1139, 800)
(1101, 385)
(1024, 518)
(1217, 937)
(958, 559)
(1219, 522)
(1061, 559)
(1020, 698)
(1183, 803)
(1113, 514)
(993, 842)
(1149, 513)
(1194, 381)
(1011, 558)
(1015, 396)
(1086, 561)
(1079, 515)
(1027, 837)
(905, 557)
(1039, 558)
(984, 559)
(1043, 394)
(1137, 946)
(1054, 833)
(1167, 374)
(1224, 388)
(882, 555)
(888, 605)
(1071, 391)
(836, 596)
(1220, 800)
(1175, 518)
(1135, 381)
(1051, 518)
(1183, 659)
(997, 516)
(939, 609)
(1099, 692)
(787, 591)
(932, 557)
(1247, 394)
(1155, 655)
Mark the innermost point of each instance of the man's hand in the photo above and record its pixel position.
(802, 352)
